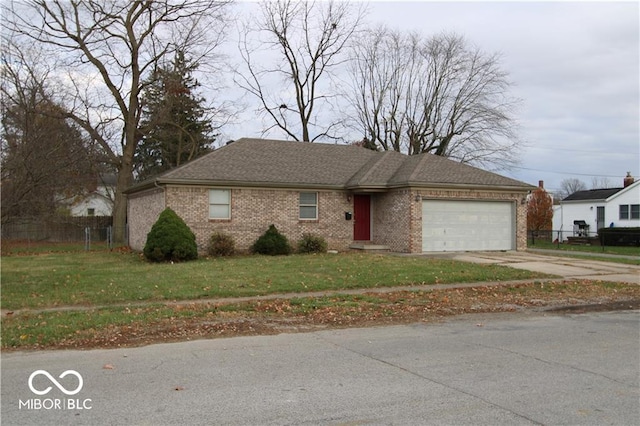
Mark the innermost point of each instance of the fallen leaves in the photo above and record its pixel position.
(186, 321)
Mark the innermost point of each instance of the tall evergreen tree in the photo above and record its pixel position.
(174, 123)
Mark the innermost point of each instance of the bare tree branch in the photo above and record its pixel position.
(310, 39)
(110, 46)
(434, 95)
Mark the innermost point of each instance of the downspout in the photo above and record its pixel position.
(155, 183)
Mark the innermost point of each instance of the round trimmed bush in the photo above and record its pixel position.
(221, 244)
(311, 243)
(271, 243)
(170, 239)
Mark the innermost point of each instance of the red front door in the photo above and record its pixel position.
(361, 217)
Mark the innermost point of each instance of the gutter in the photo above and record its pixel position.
(295, 185)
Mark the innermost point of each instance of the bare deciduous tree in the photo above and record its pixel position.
(601, 183)
(436, 95)
(108, 48)
(45, 157)
(309, 38)
(569, 186)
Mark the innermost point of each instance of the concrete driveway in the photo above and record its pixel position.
(566, 267)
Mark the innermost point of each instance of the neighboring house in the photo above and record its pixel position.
(351, 196)
(584, 212)
(98, 201)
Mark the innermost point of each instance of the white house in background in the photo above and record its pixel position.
(584, 212)
(98, 201)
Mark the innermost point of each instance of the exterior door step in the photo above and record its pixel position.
(369, 247)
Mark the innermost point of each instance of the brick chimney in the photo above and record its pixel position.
(628, 180)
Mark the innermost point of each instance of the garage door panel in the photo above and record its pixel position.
(467, 225)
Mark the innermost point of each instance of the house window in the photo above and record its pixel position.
(624, 211)
(219, 204)
(91, 212)
(629, 211)
(308, 205)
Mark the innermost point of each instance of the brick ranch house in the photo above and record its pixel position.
(351, 196)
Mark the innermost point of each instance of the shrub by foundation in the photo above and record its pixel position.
(221, 244)
(272, 243)
(170, 239)
(311, 243)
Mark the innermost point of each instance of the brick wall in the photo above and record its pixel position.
(396, 219)
(143, 210)
(392, 220)
(253, 210)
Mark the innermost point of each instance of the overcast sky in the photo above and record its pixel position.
(574, 65)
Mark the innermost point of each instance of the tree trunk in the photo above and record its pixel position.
(125, 179)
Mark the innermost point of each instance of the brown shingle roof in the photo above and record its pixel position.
(433, 169)
(261, 162)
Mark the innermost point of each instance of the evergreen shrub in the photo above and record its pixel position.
(170, 239)
(271, 243)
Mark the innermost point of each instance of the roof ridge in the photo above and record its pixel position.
(376, 163)
(418, 166)
(199, 159)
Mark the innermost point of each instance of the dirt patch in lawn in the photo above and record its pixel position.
(208, 320)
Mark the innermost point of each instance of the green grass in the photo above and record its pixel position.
(108, 278)
(626, 251)
(55, 327)
(24, 247)
(96, 327)
(592, 251)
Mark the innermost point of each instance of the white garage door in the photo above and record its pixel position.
(467, 225)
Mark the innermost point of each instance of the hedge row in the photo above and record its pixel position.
(619, 236)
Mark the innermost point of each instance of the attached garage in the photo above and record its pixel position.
(452, 225)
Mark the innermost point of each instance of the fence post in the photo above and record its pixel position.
(87, 238)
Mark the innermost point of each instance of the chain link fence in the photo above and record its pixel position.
(617, 237)
(85, 232)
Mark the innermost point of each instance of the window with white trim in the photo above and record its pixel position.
(219, 204)
(308, 205)
(629, 211)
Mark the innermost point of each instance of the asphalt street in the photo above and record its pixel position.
(485, 369)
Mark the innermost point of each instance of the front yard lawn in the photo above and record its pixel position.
(116, 278)
(113, 299)
(133, 326)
